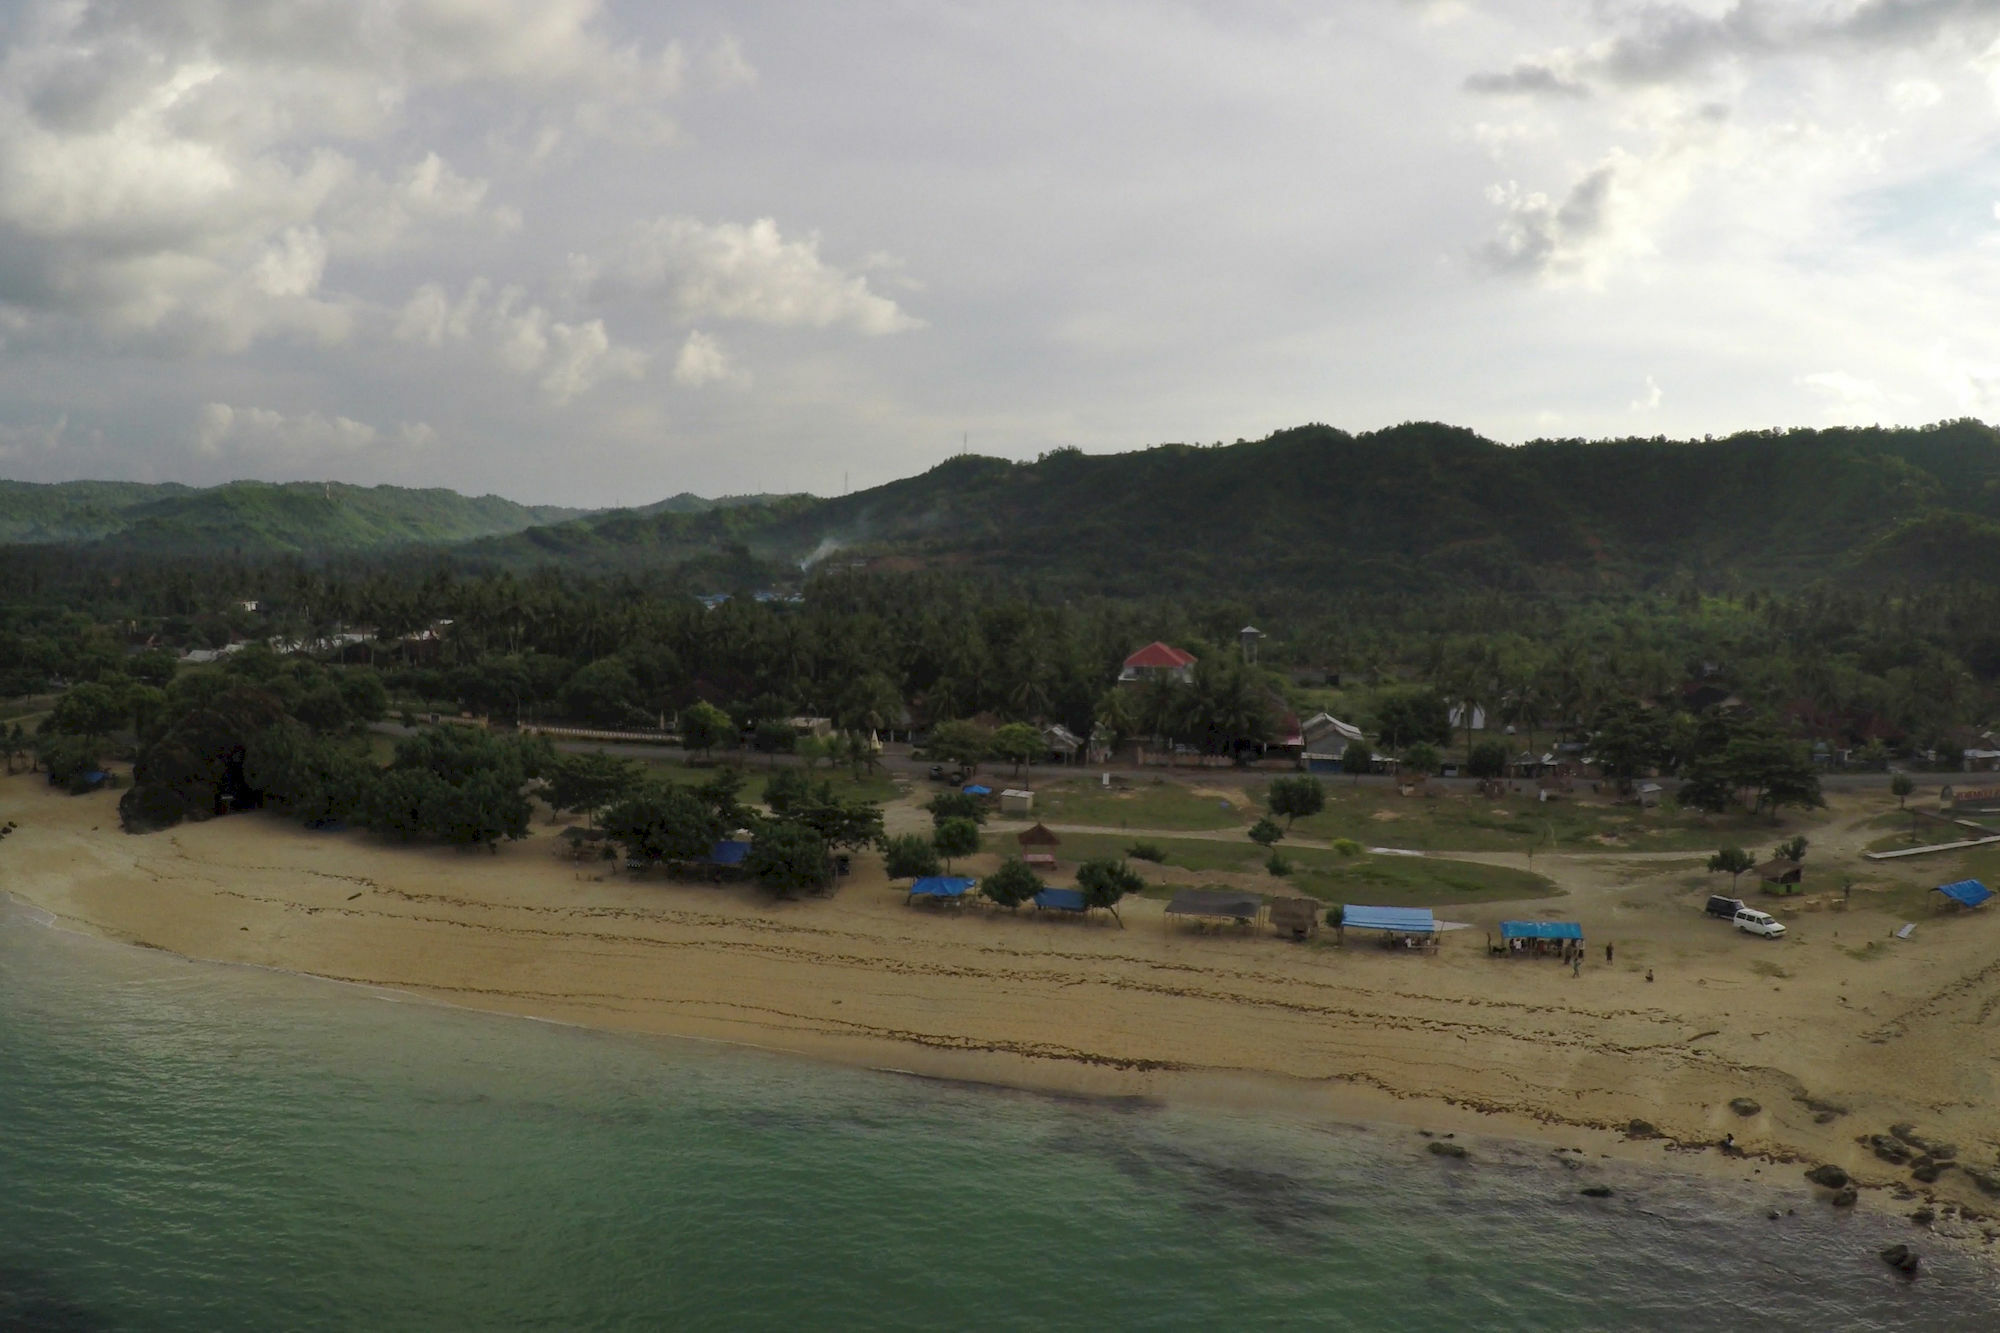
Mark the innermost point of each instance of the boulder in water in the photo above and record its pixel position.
(1829, 1175)
(1439, 1148)
(1595, 1191)
(1903, 1259)
(1846, 1197)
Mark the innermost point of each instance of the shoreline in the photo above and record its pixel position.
(1416, 1046)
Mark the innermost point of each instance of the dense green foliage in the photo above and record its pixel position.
(1012, 884)
(955, 838)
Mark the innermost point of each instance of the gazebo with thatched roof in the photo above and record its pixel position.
(1035, 844)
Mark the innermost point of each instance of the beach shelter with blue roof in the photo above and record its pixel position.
(1415, 927)
(1965, 892)
(944, 888)
(1539, 938)
(974, 789)
(1061, 900)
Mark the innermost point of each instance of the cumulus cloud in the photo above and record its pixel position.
(703, 361)
(1650, 400)
(565, 359)
(224, 431)
(732, 271)
(185, 171)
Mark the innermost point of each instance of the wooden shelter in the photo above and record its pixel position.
(1296, 918)
(1781, 875)
(1035, 844)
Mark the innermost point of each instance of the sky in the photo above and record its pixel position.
(594, 252)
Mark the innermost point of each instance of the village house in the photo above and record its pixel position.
(1157, 661)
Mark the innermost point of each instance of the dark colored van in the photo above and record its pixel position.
(1726, 908)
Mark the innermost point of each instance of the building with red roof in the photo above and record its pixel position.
(1158, 661)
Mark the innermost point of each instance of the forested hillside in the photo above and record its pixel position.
(1417, 508)
(256, 517)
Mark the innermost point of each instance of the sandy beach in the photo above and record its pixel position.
(1833, 1033)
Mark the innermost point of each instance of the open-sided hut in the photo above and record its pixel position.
(1217, 905)
(1964, 892)
(1412, 927)
(1539, 939)
(583, 844)
(1781, 874)
(724, 862)
(1295, 918)
(1062, 900)
(942, 888)
(1037, 846)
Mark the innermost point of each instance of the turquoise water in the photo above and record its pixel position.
(193, 1147)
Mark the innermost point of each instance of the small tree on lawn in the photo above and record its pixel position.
(1012, 884)
(1358, 758)
(704, 726)
(910, 856)
(1423, 759)
(789, 857)
(1105, 882)
(1017, 743)
(1733, 861)
(1293, 797)
(1487, 760)
(1901, 786)
(1793, 849)
(955, 805)
(955, 838)
(961, 742)
(1265, 832)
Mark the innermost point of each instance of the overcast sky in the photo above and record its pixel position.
(596, 252)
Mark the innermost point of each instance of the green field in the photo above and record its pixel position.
(1147, 804)
(1378, 817)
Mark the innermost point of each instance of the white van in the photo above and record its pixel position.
(1759, 923)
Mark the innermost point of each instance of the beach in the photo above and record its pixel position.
(1832, 1035)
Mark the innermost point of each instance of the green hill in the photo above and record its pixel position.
(256, 517)
(1415, 508)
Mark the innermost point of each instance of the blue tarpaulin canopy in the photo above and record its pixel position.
(1062, 900)
(1541, 930)
(728, 853)
(942, 886)
(976, 790)
(1404, 920)
(1965, 892)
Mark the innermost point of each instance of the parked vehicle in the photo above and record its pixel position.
(1726, 908)
(1759, 923)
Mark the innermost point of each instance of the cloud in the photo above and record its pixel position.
(565, 359)
(1547, 239)
(1650, 400)
(256, 432)
(1663, 43)
(181, 174)
(702, 361)
(737, 272)
(1527, 78)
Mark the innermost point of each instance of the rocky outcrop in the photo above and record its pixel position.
(1829, 1175)
(1903, 1259)
(1744, 1106)
(1641, 1129)
(1440, 1148)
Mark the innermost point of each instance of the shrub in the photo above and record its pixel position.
(1278, 865)
(1347, 847)
(1147, 851)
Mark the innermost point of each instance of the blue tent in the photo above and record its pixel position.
(728, 853)
(942, 886)
(1541, 930)
(1062, 900)
(1402, 920)
(1965, 892)
(976, 790)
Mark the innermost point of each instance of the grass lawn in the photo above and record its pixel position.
(1388, 881)
(1378, 817)
(1162, 805)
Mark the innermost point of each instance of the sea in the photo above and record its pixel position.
(192, 1146)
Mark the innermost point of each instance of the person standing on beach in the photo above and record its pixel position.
(1607, 952)
(1576, 963)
